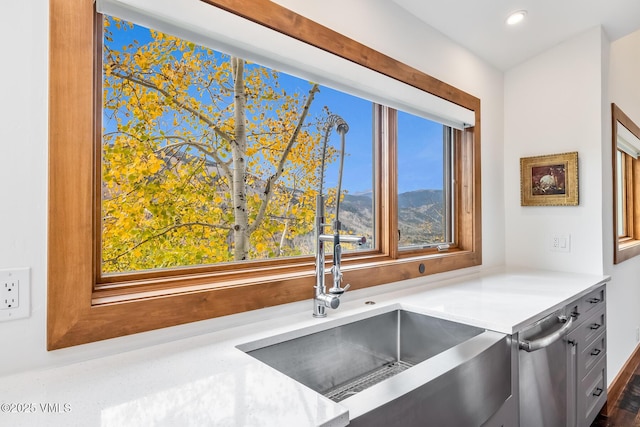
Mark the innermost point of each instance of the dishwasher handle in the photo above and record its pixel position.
(547, 340)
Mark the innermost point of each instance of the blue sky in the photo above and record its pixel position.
(420, 140)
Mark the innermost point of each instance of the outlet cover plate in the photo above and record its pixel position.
(15, 294)
(560, 242)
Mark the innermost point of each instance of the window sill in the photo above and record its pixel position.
(626, 249)
(112, 313)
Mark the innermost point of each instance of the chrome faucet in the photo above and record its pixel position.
(323, 300)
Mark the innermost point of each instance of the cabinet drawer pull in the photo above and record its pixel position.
(594, 300)
(595, 351)
(598, 392)
(595, 326)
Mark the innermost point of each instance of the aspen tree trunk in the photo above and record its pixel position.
(285, 226)
(238, 150)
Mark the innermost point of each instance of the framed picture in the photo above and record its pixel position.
(549, 180)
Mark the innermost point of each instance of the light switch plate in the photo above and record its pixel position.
(15, 294)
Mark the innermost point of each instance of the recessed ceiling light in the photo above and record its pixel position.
(516, 17)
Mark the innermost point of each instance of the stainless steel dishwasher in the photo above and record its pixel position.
(545, 370)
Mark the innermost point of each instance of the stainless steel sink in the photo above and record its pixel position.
(378, 366)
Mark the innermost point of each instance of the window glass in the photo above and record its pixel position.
(210, 159)
(424, 177)
(621, 197)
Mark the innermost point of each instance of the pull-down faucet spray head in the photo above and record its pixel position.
(322, 299)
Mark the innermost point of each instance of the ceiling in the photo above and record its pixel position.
(479, 25)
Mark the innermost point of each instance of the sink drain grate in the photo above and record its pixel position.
(372, 378)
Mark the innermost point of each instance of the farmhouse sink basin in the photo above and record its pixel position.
(380, 363)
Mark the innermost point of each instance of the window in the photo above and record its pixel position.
(183, 185)
(130, 181)
(425, 181)
(626, 170)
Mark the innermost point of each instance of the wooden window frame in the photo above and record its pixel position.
(626, 169)
(81, 310)
(627, 246)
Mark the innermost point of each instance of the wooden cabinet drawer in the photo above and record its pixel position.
(591, 301)
(592, 353)
(593, 325)
(594, 394)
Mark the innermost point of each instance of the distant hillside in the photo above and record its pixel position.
(420, 214)
(417, 198)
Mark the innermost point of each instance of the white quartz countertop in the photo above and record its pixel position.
(206, 381)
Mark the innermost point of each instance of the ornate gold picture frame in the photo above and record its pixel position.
(549, 180)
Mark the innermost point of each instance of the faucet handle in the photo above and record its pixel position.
(330, 301)
(336, 290)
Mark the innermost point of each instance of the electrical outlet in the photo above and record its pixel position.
(9, 296)
(15, 294)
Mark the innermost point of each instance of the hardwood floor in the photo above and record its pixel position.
(626, 411)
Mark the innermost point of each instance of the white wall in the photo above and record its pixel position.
(553, 105)
(624, 290)
(624, 84)
(23, 168)
(23, 139)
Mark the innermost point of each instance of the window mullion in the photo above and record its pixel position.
(632, 187)
(627, 193)
(448, 184)
(390, 142)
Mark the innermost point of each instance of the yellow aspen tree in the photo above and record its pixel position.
(205, 157)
